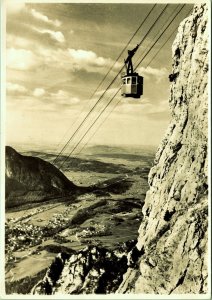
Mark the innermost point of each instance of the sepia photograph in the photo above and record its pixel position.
(105, 153)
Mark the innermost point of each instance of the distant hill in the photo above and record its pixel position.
(119, 149)
(31, 179)
(87, 163)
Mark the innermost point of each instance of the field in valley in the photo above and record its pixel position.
(107, 217)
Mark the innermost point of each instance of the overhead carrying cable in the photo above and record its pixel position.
(150, 29)
(119, 88)
(146, 67)
(169, 37)
(104, 79)
(166, 41)
(160, 36)
(124, 49)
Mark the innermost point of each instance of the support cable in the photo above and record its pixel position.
(120, 88)
(75, 132)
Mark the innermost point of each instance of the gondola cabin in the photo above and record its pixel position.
(132, 82)
(132, 85)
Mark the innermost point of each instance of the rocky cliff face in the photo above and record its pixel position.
(173, 235)
(170, 256)
(92, 270)
(32, 179)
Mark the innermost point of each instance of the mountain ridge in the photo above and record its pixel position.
(30, 179)
(173, 235)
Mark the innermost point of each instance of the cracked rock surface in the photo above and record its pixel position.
(92, 270)
(173, 236)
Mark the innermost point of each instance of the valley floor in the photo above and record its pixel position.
(35, 235)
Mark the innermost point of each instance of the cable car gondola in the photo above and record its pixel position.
(132, 82)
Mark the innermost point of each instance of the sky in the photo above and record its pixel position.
(58, 53)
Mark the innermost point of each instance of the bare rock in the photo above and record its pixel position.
(173, 234)
(89, 271)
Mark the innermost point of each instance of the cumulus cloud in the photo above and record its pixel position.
(82, 58)
(158, 73)
(63, 97)
(55, 35)
(15, 88)
(36, 14)
(40, 99)
(76, 60)
(20, 59)
(38, 92)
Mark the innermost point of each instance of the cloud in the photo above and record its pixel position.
(64, 98)
(55, 35)
(75, 60)
(38, 92)
(14, 88)
(86, 56)
(36, 14)
(40, 99)
(15, 41)
(20, 59)
(14, 6)
(158, 73)
(83, 58)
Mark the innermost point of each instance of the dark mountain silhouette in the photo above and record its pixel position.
(31, 179)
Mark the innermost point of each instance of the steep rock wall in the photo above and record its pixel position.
(173, 235)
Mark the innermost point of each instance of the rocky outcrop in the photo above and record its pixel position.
(173, 236)
(92, 270)
(30, 179)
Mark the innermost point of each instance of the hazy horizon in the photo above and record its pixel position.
(28, 147)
